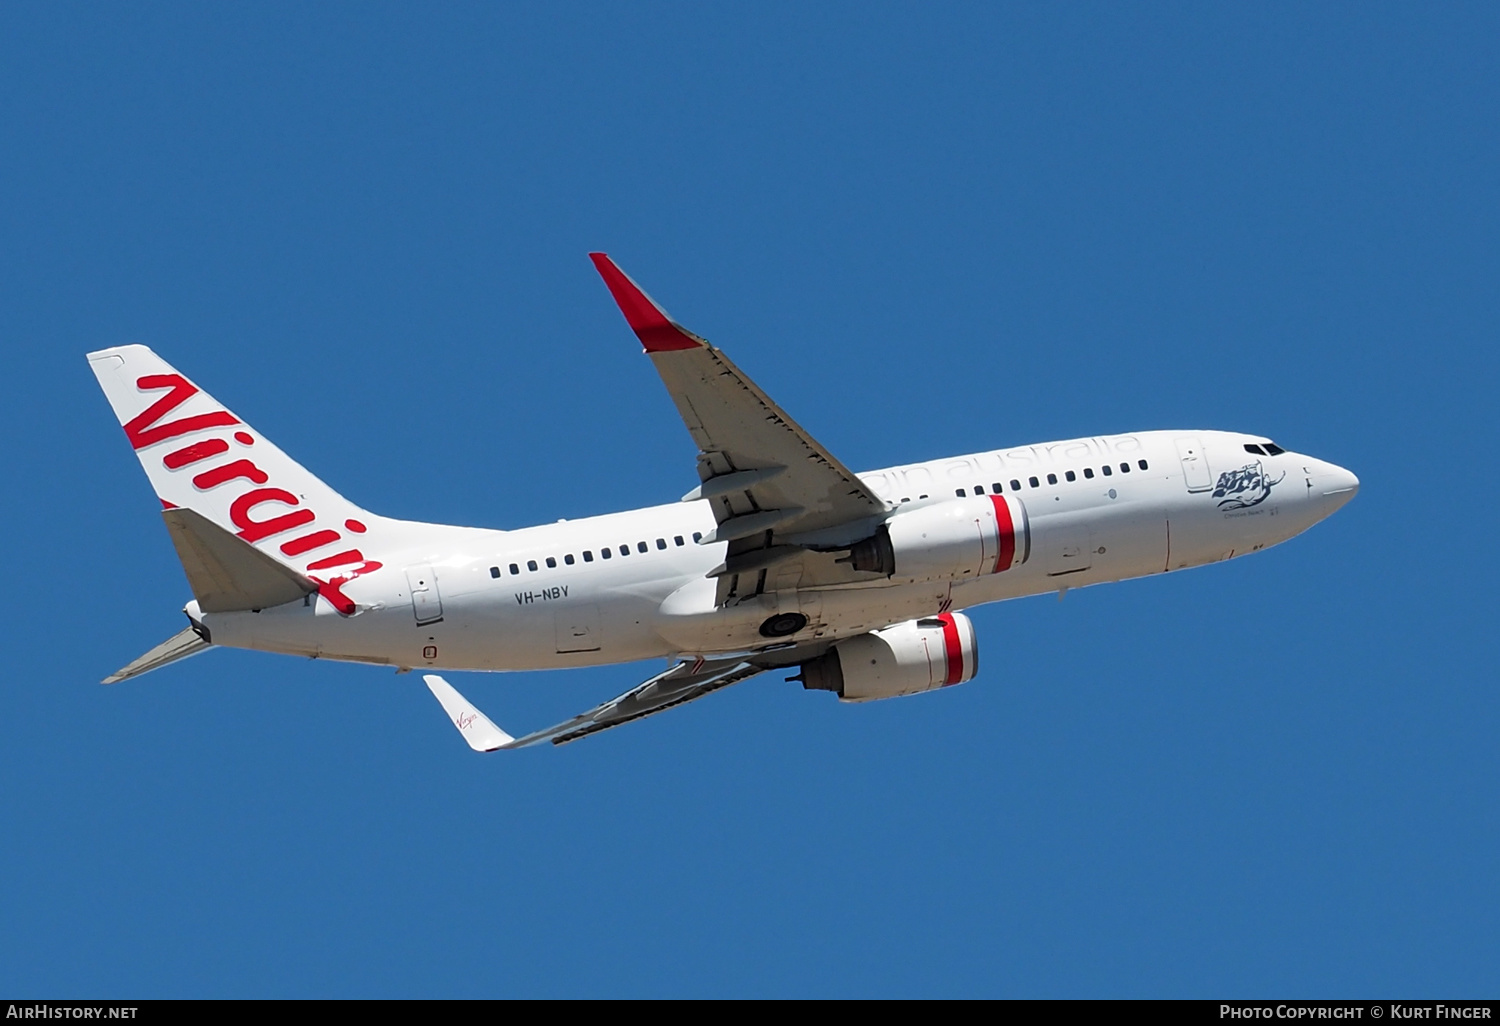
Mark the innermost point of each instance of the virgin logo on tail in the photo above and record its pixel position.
(245, 512)
(140, 430)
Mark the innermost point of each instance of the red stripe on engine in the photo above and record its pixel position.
(953, 648)
(1005, 526)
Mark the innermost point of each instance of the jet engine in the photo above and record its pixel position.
(903, 659)
(957, 539)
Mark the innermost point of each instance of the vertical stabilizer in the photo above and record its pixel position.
(201, 457)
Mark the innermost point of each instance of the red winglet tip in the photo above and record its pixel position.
(657, 331)
(165, 504)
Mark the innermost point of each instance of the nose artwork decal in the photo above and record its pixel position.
(1248, 486)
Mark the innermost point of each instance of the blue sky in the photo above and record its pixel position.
(924, 232)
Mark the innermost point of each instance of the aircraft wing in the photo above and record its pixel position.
(681, 683)
(773, 487)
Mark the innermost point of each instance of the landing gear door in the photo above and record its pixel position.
(1194, 464)
(426, 603)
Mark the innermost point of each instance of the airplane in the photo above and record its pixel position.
(780, 558)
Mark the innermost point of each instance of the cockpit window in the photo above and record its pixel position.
(1252, 447)
(1272, 449)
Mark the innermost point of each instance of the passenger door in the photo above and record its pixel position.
(1194, 461)
(426, 603)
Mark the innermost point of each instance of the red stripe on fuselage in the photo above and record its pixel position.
(1005, 527)
(953, 648)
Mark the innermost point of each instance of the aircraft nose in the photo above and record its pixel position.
(1336, 485)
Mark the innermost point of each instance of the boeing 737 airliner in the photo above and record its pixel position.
(780, 558)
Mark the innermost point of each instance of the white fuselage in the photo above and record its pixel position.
(469, 598)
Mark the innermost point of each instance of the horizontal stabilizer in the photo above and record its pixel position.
(228, 574)
(475, 726)
(178, 646)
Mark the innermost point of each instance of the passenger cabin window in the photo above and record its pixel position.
(697, 536)
(678, 539)
(959, 492)
(1088, 472)
(1015, 485)
(588, 555)
(1071, 476)
(514, 569)
(1124, 468)
(551, 562)
(996, 487)
(1107, 470)
(1142, 464)
(568, 559)
(1052, 479)
(661, 543)
(531, 564)
(494, 571)
(606, 554)
(979, 489)
(1033, 482)
(641, 546)
(624, 550)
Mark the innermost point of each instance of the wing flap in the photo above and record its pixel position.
(664, 691)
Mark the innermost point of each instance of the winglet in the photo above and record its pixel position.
(651, 324)
(475, 726)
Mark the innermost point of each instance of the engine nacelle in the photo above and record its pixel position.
(903, 659)
(955, 540)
